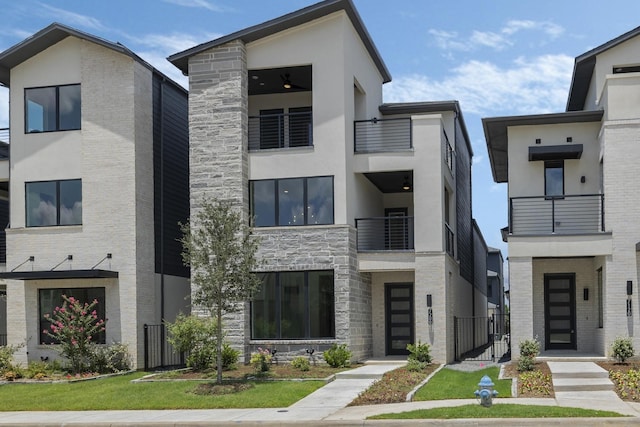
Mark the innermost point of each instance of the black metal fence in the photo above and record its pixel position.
(382, 135)
(3, 340)
(482, 338)
(158, 352)
(385, 233)
(568, 214)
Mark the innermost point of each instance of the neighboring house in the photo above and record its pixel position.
(495, 281)
(573, 230)
(4, 220)
(363, 208)
(98, 182)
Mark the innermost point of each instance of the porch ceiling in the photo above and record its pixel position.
(391, 182)
(272, 80)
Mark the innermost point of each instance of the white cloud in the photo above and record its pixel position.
(203, 4)
(70, 18)
(159, 61)
(528, 85)
(452, 41)
(171, 43)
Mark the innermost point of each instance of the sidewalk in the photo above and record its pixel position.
(326, 406)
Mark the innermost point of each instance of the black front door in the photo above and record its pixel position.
(560, 311)
(399, 317)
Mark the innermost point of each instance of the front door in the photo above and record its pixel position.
(560, 311)
(399, 317)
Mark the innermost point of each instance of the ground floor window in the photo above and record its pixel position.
(294, 305)
(49, 299)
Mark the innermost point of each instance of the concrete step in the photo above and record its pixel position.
(596, 374)
(582, 384)
(577, 370)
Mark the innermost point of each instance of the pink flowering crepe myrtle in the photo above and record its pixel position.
(72, 327)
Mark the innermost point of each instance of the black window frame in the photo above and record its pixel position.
(305, 187)
(43, 323)
(553, 164)
(307, 312)
(58, 204)
(57, 91)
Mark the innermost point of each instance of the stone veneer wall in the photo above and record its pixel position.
(218, 128)
(315, 248)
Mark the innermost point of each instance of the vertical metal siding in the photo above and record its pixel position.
(463, 205)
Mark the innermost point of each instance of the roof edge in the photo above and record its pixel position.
(284, 22)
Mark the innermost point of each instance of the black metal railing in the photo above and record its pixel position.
(4, 135)
(382, 135)
(569, 214)
(482, 338)
(385, 233)
(3, 340)
(280, 131)
(158, 352)
(450, 242)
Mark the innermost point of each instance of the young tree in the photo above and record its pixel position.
(220, 250)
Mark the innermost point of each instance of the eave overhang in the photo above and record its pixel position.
(59, 274)
(555, 152)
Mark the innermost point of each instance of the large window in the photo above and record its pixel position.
(53, 203)
(52, 108)
(554, 178)
(49, 299)
(294, 305)
(292, 201)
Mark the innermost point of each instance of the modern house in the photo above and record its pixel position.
(363, 209)
(495, 281)
(97, 181)
(573, 233)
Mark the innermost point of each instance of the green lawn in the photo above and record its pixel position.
(452, 384)
(120, 393)
(498, 411)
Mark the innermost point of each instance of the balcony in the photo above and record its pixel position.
(269, 131)
(379, 135)
(561, 215)
(385, 234)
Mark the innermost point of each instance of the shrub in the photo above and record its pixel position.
(338, 356)
(229, 357)
(414, 365)
(419, 352)
(529, 350)
(73, 326)
(301, 363)
(196, 337)
(108, 359)
(39, 370)
(622, 349)
(6, 357)
(261, 360)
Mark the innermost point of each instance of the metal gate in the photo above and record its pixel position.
(158, 352)
(482, 338)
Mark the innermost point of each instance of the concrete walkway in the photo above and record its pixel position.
(327, 406)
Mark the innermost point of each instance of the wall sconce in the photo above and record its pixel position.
(429, 309)
(585, 294)
(629, 293)
(629, 287)
(583, 179)
(429, 301)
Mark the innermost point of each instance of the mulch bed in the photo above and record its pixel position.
(283, 371)
(210, 389)
(625, 377)
(511, 371)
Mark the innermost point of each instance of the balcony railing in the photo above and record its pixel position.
(280, 131)
(382, 135)
(569, 214)
(385, 233)
(449, 154)
(4, 135)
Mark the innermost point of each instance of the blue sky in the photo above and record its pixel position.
(498, 57)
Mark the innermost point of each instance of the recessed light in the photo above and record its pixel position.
(254, 77)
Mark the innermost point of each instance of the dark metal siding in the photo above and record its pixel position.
(4, 221)
(463, 205)
(170, 173)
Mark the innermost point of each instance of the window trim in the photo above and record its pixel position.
(307, 312)
(57, 224)
(304, 196)
(553, 164)
(57, 90)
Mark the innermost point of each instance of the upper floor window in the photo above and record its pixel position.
(554, 178)
(52, 108)
(292, 201)
(53, 203)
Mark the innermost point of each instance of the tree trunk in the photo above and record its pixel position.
(219, 345)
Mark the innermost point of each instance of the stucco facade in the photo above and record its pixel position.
(590, 240)
(287, 106)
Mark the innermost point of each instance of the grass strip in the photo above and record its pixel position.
(452, 384)
(119, 393)
(500, 410)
